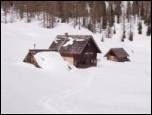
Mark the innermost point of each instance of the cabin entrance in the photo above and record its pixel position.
(89, 58)
(86, 60)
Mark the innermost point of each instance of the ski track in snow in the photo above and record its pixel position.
(58, 103)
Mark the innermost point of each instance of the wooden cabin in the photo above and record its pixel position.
(79, 50)
(29, 58)
(117, 54)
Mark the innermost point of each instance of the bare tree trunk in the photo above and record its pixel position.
(44, 19)
(5, 13)
(52, 22)
(79, 23)
(100, 25)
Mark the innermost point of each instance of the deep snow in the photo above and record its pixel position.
(111, 87)
(51, 60)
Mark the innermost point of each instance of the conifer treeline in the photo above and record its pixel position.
(95, 15)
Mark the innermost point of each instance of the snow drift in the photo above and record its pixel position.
(51, 60)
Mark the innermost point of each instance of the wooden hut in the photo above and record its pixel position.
(79, 50)
(117, 54)
(30, 56)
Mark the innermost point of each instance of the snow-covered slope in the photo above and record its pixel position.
(111, 87)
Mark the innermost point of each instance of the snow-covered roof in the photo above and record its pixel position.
(73, 44)
(50, 60)
(69, 42)
(118, 52)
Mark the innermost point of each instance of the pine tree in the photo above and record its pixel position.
(108, 31)
(94, 15)
(104, 16)
(147, 17)
(123, 24)
(131, 36)
(75, 13)
(123, 38)
(142, 10)
(114, 31)
(123, 35)
(117, 10)
(129, 17)
(139, 28)
(82, 12)
(102, 40)
(90, 27)
(135, 7)
(129, 11)
(110, 13)
(110, 17)
(148, 33)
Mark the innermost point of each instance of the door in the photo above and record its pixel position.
(89, 58)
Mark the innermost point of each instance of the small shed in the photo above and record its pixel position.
(79, 50)
(117, 54)
(29, 58)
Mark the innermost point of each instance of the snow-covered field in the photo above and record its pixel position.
(111, 87)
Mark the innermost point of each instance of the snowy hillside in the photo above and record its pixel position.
(111, 87)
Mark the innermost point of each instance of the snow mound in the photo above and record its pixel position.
(51, 60)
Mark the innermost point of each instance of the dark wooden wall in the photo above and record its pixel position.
(88, 57)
